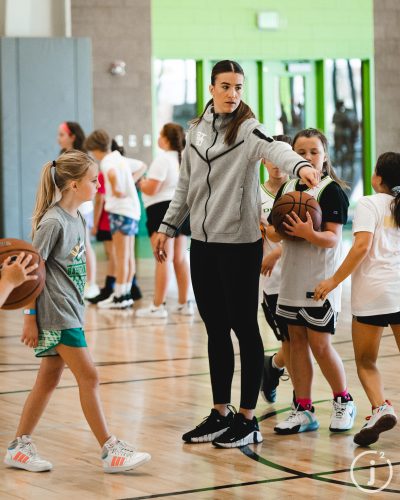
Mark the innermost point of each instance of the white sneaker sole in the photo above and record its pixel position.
(124, 468)
(26, 466)
(252, 438)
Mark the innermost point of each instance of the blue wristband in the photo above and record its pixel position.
(30, 312)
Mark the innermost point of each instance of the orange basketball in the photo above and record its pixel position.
(28, 291)
(300, 203)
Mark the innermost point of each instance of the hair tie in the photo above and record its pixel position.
(57, 193)
(53, 164)
(396, 190)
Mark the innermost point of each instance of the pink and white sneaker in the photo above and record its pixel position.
(119, 456)
(382, 419)
(22, 454)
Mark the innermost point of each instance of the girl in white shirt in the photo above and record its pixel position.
(123, 206)
(158, 190)
(374, 265)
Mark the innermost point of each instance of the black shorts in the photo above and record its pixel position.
(102, 235)
(379, 319)
(155, 215)
(320, 319)
(277, 324)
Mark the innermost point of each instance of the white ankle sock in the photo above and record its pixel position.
(119, 289)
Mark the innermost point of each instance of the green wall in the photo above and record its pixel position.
(309, 29)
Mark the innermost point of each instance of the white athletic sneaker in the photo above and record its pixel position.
(22, 454)
(382, 419)
(343, 415)
(91, 291)
(119, 456)
(185, 309)
(152, 312)
(299, 420)
(114, 302)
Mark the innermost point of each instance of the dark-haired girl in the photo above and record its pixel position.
(374, 264)
(158, 189)
(219, 186)
(304, 263)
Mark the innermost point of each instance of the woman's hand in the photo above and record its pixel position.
(30, 332)
(18, 272)
(310, 176)
(296, 227)
(159, 247)
(323, 288)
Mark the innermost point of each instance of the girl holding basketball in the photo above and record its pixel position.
(374, 265)
(305, 263)
(53, 325)
(219, 186)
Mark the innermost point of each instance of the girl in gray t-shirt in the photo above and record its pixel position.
(53, 325)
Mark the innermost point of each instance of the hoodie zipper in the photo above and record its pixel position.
(208, 176)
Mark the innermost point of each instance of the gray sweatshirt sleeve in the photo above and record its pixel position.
(178, 209)
(259, 145)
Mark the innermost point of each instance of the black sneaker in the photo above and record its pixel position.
(212, 426)
(240, 433)
(103, 295)
(136, 292)
(270, 380)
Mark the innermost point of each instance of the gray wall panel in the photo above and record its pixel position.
(51, 84)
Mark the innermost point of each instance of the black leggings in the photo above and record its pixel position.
(225, 283)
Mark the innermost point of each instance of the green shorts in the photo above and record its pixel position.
(49, 339)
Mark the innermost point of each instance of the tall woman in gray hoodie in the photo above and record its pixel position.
(219, 186)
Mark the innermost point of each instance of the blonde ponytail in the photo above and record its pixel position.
(55, 178)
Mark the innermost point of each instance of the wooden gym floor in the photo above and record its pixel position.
(155, 386)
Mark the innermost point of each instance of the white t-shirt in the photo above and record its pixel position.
(165, 168)
(375, 282)
(270, 283)
(129, 205)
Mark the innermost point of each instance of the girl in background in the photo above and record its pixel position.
(72, 136)
(158, 190)
(374, 265)
(53, 325)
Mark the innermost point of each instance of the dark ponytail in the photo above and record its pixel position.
(388, 168)
(175, 135)
(116, 147)
(242, 113)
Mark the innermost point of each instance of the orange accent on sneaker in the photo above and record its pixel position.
(15, 457)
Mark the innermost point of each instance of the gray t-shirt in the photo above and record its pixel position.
(60, 240)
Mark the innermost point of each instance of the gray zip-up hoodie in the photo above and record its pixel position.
(219, 184)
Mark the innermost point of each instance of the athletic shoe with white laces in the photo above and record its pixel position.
(186, 309)
(241, 433)
(210, 428)
(114, 302)
(299, 420)
(22, 454)
(152, 312)
(119, 456)
(382, 419)
(91, 291)
(343, 415)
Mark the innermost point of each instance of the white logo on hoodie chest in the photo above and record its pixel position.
(200, 138)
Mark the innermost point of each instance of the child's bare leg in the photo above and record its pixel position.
(79, 361)
(301, 363)
(109, 250)
(181, 267)
(396, 333)
(285, 350)
(48, 377)
(366, 341)
(121, 243)
(328, 360)
(131, 259)
(162, 271)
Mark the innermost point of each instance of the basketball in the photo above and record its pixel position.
(28, 291)
(300, 203)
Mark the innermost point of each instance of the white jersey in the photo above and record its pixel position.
(305, 265)
(270, 283)
(129, 205)
(375, 282)
(165, 169)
